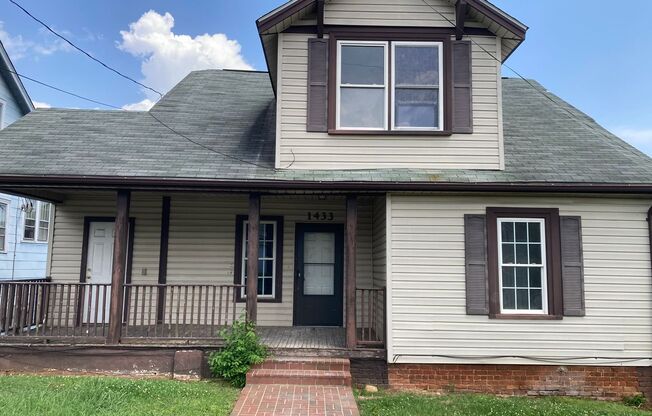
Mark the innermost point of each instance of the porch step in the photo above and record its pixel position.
(305, 371)
(305, 363)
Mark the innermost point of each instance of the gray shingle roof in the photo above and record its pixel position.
(233, 113)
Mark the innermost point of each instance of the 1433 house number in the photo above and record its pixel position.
(321, 216)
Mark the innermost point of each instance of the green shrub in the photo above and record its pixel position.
(242, 349)
(637, 400)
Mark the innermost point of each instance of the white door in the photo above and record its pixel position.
(98, 270)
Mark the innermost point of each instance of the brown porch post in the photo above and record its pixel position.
(350, 261)
(252, 257)
(163, 258)
(119, 266)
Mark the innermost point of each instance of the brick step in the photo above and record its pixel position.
(305, 363)
(299, 377)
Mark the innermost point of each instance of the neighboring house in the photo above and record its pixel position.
(476, 232)
(24, 222)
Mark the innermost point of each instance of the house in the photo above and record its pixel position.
(471, 231)
(24, 221)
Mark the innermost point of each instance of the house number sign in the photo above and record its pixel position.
(321, 216)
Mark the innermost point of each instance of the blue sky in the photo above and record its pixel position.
(601, 68)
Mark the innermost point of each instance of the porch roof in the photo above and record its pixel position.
(218, 127)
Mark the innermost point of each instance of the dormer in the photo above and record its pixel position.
(391, 84)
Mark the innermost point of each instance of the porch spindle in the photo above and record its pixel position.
(350, 261)
(252, 257)
(119, 266)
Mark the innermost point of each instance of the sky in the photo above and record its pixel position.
(594, 57)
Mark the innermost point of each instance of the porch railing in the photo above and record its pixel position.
(370, 307)
(179, 311)
(41, 309)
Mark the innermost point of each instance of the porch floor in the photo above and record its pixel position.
(302, 337)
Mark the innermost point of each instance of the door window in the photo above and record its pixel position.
(319, 264)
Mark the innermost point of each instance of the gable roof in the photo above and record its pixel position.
(233, 113)
(9, 75)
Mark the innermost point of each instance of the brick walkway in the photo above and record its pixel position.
(295, 400)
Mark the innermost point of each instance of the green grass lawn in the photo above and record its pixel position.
(414, 404)
(24, 395)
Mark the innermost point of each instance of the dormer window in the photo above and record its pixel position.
(416, 86)
(389, 86)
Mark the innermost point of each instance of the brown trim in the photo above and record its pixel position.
(461, 8)
(384, 30)
(278, 17)
(120, 265)
(163, 257)
(84, 258)
(553, 259)
(269, 69)
(237, 262)
(481, 7)
(239, 185)
(320, 18)
(389, 36)
(518, 29)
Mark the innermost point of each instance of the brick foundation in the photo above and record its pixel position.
(369, 371)
(608, 383)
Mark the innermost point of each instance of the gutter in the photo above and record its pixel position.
(193, 184)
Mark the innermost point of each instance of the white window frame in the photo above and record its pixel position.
(543, 266)
(5, 204)
(37, 224)
(385, 86)
(243, 270)
(440, 87)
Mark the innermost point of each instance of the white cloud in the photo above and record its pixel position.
(40, 104)
(639, 138)
(144, 105)
(18, 47)
(168, 57)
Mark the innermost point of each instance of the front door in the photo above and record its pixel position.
(319, 275)
(99, 263)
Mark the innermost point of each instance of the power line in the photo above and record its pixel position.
(204, 146)
(572, 115)
(83, 51)
(148, 112)
(81, 97)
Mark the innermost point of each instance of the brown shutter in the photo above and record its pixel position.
(572, 270)
(475, 251)
(462, 98)
(317, 85)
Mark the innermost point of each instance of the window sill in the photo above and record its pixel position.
(523, 317)
(260, 300)
(33, 242)
(438, 133)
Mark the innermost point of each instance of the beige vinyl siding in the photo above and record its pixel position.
(429, 322)
(298, 149)
(202, 238)
(389, 13)
(379, 242)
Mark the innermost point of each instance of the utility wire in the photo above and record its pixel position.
(203, 145)
(518, 74)
(81, 97)
(148, 112)
(83, 51)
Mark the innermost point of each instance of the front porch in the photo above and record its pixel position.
(184, 268)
